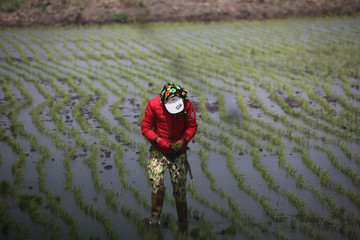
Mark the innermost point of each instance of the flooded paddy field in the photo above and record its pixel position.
(277, 151)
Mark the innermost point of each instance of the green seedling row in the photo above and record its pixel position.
(278, 113)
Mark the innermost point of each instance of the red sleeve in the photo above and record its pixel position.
(190, 123)
(148, 123)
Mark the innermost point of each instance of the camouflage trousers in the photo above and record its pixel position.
(178, 168)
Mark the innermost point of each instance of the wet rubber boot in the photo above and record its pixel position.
(157, 201)
(181, 208)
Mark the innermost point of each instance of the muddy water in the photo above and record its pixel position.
(210, 61)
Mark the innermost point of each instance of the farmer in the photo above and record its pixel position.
(169, 124)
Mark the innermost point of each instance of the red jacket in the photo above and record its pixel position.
(158, 122)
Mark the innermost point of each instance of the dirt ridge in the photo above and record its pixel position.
(61, 13)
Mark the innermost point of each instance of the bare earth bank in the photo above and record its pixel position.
(71, 12)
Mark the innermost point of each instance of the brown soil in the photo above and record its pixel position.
(75, 12)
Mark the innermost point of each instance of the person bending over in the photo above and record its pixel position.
(169, 124)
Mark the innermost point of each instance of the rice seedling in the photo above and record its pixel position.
(311, 164)
(22, 53)
(324, 198)
(110, 199)
(45, 154)
(91, 161)
(119, 116)
(8, 97)
(8, 223)
(5, 187)
(32, 204)
(264, 173)
(54, 205)
(300, 181)
(346, 150)
(342, 100)
(326, 180)
(19, 164)
(68, 170)
(7, 54)
(78, 72)
(354, 177)
(95, 213)
(348, 91)
(203, 157)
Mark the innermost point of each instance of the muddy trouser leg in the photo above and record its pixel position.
(157, 201)
(156, 168)
(178, 171)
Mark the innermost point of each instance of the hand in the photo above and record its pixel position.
(177, 145)
(163, 143)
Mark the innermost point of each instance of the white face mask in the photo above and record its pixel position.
(174, 105)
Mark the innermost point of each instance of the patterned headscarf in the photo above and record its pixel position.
(171, 90)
